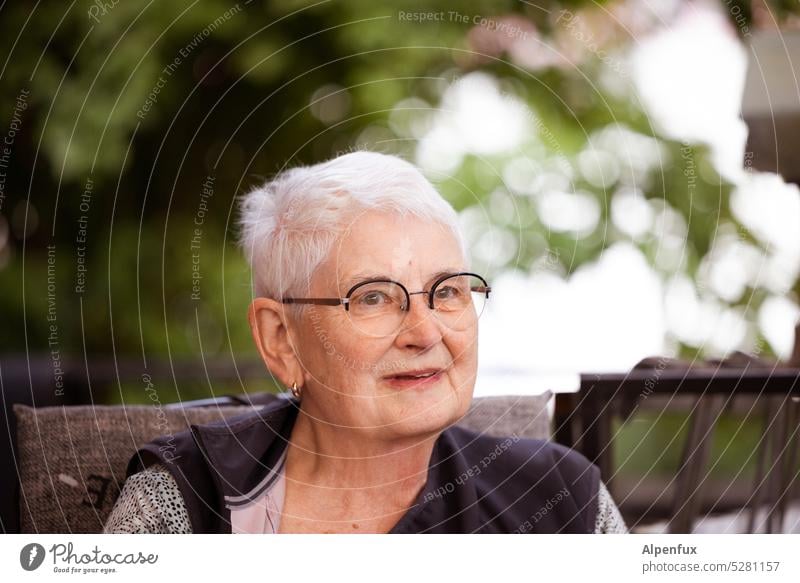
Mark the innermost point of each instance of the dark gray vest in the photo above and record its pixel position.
(476, 483)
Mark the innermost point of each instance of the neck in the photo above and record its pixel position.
(353, 466)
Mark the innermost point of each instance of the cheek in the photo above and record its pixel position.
(464, 346)
(341, 354)
(464, 351)
(317, 349)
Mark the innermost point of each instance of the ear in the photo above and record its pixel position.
(268, 324)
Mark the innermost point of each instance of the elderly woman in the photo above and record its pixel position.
(366, 308)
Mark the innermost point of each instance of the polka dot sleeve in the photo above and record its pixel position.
(150, 503)
(609, 520)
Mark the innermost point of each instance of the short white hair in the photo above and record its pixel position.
(288, 226)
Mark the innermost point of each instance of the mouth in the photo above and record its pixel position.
(415, 378)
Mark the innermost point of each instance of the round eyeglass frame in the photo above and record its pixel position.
(345, 301)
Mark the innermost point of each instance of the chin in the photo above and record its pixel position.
(429, 412)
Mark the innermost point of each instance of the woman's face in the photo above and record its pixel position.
(346, 368)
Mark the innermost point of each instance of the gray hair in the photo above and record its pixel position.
(288, 226)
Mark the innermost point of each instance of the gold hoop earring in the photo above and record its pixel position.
(295, 390)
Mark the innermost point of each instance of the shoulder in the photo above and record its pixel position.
(539, 472)
(513, 450)
(258, 421)
(523, 484)
(150, 502)
(188, 449)
(212, 460)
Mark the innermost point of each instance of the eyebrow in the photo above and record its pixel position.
(367, 276)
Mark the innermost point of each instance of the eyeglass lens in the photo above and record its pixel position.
(379, 308)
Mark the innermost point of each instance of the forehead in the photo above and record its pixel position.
(401, 248)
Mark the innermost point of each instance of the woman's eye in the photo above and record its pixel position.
(373, 298)
(447, 292)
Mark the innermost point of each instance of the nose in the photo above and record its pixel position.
(420, 328)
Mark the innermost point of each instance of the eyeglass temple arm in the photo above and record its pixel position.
(316, 301)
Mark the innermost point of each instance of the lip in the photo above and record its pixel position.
(415, 383)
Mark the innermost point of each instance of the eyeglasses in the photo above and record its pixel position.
(378, 307)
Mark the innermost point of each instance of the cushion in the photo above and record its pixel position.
(510, 415)
(72, 460)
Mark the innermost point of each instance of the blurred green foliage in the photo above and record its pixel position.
(733, 448)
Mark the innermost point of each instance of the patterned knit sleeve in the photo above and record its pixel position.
(150, 503)
(609, 520)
